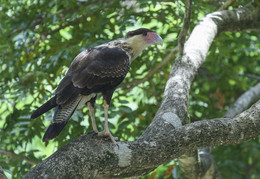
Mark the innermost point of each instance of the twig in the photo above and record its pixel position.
(154, 92)
(185, 27)
(165, 61)
(75, 21)
(226, 5)
(2, 174)
(12, 154)
(251, 166)
(253, 76)
(31, 26)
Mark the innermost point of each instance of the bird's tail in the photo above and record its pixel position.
(44, 108)
(60, 119)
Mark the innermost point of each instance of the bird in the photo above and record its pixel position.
(97, 70)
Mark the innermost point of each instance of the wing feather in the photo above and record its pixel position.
(93, 70)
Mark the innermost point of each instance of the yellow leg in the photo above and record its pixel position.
(92, 116)
(106, 131)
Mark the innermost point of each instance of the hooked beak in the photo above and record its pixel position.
(159, 41)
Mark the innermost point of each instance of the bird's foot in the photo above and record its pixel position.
(108, 134)
(93, 132)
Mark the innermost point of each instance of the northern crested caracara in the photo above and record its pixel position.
(96, 70)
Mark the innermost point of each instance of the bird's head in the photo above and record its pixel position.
(141, 38)
(148, 36)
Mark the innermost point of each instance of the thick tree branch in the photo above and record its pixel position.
(165, 138)
(244, 101)
(188, 162)
(104, 160)
(205, 157)
(208, 168)
(196, 48)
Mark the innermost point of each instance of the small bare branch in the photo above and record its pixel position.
(156, 69)
(12, 154)
(185, 27)
(2, 174)
(226, 5)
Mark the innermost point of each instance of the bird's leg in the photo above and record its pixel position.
(106, 131)
(92, 116)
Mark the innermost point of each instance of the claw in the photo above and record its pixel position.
(107, 134)
(90, 132)
(93, 133)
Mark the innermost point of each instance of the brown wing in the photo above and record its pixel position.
(94, 70)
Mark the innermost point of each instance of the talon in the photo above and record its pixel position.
(107, 134)
(93, 132)
(106, 131)
(90, 132)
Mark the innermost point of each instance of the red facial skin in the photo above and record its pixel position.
(151, 37)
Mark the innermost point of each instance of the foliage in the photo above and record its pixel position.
(39, 39)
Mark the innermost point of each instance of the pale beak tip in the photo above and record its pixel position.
(159, 41)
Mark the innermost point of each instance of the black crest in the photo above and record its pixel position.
(142, 31)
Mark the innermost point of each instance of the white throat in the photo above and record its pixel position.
(138, 45)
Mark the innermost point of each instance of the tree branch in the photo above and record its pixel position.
(38, 21)
(185, 27)
(207, 161)
(156, 69)
(188, 162)
(90, 157)
(208, 168)
(165, 138)
(226, 5)
(2, 174)
(244, 101)
(12, 154)
(184, 69)
(253, 76)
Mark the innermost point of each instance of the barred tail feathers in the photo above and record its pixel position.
(44, 108)
(61, 117)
